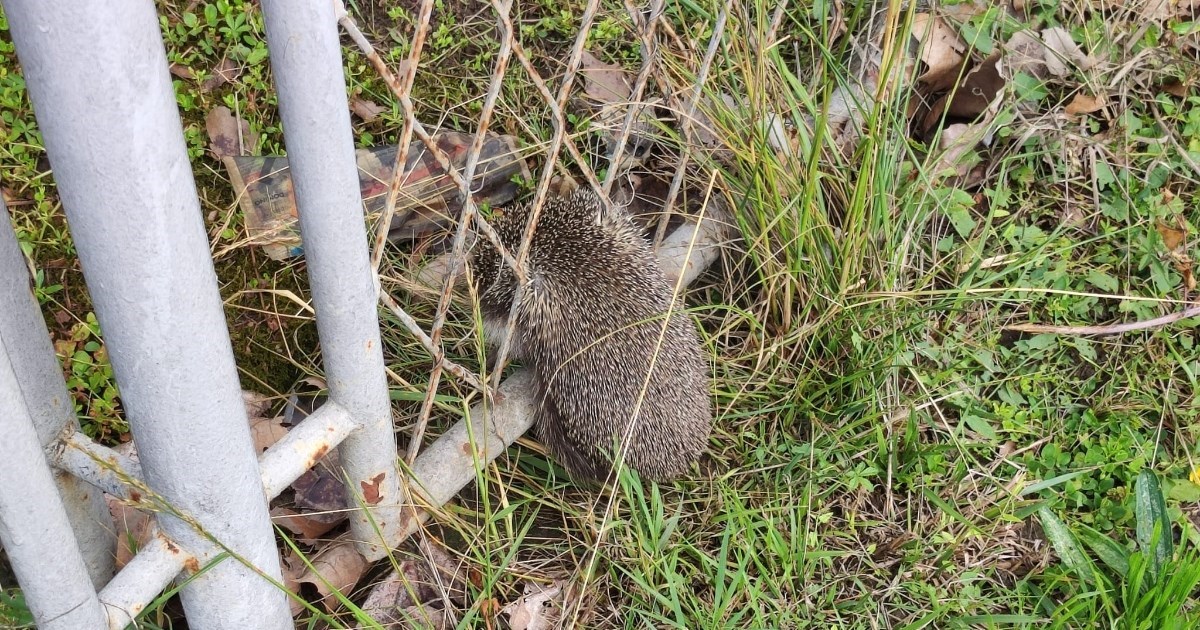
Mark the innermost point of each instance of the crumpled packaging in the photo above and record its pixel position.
(425, 203)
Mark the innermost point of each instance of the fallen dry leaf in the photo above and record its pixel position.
(972, 98)
(956, 142)
(320, 489)
(224, 72)
(414, 591)
(1063, 52)
(132, 526)
(1172, 235)
(941, 51)
(604, 83)
(1084, 103)
(228, 135)
(1175, 87)
(368, 111)
(182, 71)
(1025, 52)
(265, 432)
(308, 528)
(539, 608)
(336, 569)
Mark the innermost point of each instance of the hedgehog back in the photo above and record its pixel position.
(590, 325)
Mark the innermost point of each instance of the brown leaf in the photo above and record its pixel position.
(266, 431)
(308, 528)
(368, 111)
(941, 51)
(1175, 87)
(227, 134)
(604, 83)
(182, 71)
(972, 98)
(224, 72)
(1025, 52)
(133, 527)
(336, 569)
(1062, 52)
(1172, 236)
(320, 490)
(415, 588)
(539, 608)
(1084, 103)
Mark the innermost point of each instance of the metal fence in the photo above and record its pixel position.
(98, 79)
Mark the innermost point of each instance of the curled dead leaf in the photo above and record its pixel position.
(1174, 87)
(941, 50)
(539, 608)
(228, 135)
(308, 528)
(1172, 235)
(604, 83)
(224, 72)
(336, 569)
(1085, 103)
(368, 111)
(1063, 52)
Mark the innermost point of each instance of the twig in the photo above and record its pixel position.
(649, 51)
(400, 170)
(470, 211)
(1114, 329)
(443, 161)
(560, 130)
(557, 112)
(714, 42)
(439, 356)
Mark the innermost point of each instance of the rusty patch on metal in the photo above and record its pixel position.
(135, 496)
(467, 450)
(370, 344)
(316, 457)
(191, 565)
(371, 490)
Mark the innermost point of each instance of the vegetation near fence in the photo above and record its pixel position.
(952, 330)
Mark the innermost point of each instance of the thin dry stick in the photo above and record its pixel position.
(714, 42)
(400, 170)
(1114, 329)
(470, 211)
(649, 55)
(443, 161)
(400, 174)
(560, 129)
(439, 356)
(557, 112)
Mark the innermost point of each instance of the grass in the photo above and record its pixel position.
(887, 453)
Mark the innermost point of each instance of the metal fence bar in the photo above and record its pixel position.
(98, 465)
(35, 528)
(113, 136)
(150, 571)
(306, 63)
(303, 447)
(25, 338)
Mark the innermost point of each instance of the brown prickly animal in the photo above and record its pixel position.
(590, 326)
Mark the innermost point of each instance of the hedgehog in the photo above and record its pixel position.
(590, 327)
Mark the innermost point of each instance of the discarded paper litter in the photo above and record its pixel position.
(263, 186)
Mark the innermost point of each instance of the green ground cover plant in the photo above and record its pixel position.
(912, 429)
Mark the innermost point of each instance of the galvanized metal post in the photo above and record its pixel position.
(26, 341)
(34, 525)
(98, 79)
(302, 36)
